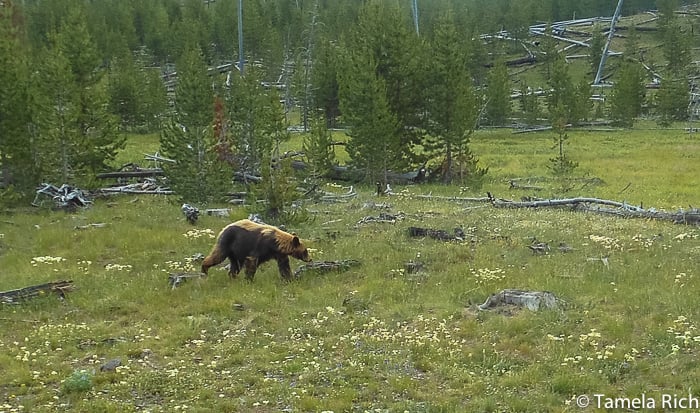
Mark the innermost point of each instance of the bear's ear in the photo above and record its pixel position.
(295, 241)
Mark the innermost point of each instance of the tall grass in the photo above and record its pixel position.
(374, 337)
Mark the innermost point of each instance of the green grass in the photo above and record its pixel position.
(415, 342)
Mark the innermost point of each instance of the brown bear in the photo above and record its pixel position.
(246, 243)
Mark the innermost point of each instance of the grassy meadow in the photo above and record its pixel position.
(375, 337)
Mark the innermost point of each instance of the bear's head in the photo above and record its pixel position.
(299, 250)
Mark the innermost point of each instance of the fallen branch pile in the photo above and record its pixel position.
(64, 197)
(58, 287)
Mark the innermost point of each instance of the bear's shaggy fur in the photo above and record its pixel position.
(248, 244)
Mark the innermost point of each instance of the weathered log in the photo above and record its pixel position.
(326, 266)
(532, 300)
(58, 287)
(438, 234)
(141, 173)
(382, 218)
(604, 206)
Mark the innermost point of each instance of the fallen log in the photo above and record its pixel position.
(532, 300)
(57, 287)
(141, 173)
(326, 266)
(438, 234)
(604, 206)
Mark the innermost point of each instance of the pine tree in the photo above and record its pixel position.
(498, 106)
(374, 145)
(596, 49)
(318, 149)
(453, 106)
(57, 131)
(529, 104)
(628, 93)
(17, 171)
(188, 138)
(73, 101)
(399, 57)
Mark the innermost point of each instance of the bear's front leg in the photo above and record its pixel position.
(285, 269)
(251, 266)
(234, 268)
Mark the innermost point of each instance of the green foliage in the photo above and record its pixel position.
(628, 94)
(373, 146)
(318, 150)
(383, 42)
(498, 104)
(136, 93)
(79, 381)
(530, 105)
(276, 195)
(76, 136)
(596, 49)
(256, 121)
(16, 174)
(672, 100)
(198, 175)
(453, 109)
(561, 166)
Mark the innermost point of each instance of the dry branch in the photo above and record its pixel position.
(175, 279)
(58, 287)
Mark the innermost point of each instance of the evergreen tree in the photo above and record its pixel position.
(498, 106)
(529, 104)
(17, 171)
(596, 49)
(628, 93)
(453, 106)
(384, 32)
(325, 80)
(188, 138)
(672, 100)
(124, 90)
(57, 132)
(374, 145)
(257, 121)
(74, 125)
(318, 149)
(561, 166)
